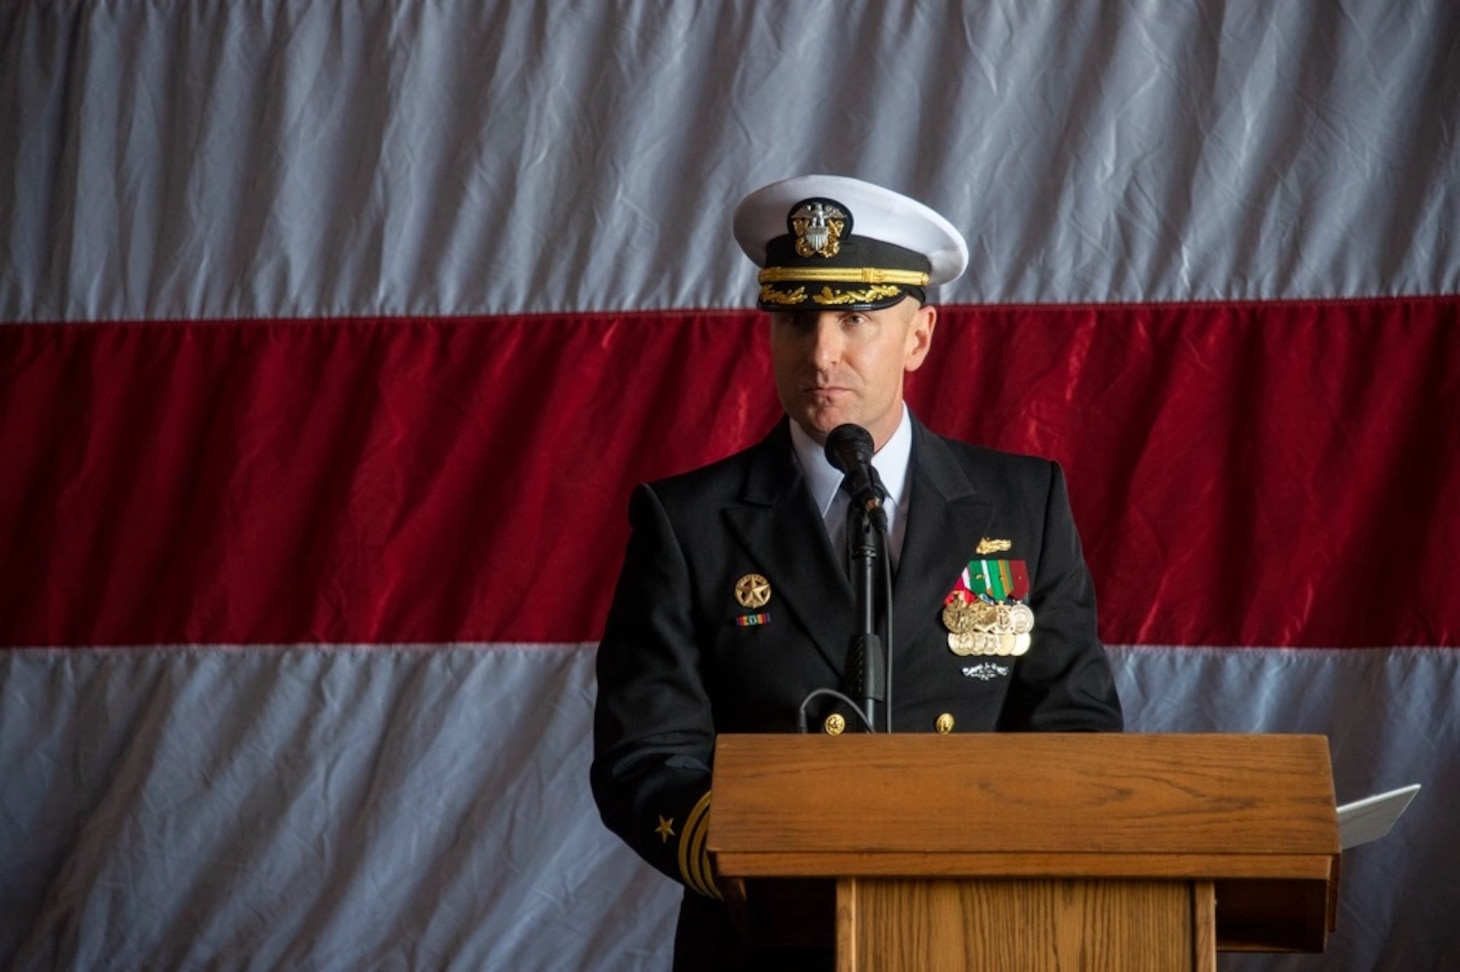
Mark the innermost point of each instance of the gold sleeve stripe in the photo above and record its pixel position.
(687, 870)
(872, 275)
(695, 831)
(699, 859)
(693, 857)
(684, 835)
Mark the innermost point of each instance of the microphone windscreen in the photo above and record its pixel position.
(848, 446)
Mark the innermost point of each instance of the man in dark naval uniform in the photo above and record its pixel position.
(734, 603)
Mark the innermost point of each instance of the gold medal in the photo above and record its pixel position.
(1004, 619)
(962, 642)
(960, 618)
(957, 612)
(985, 643)
(1021, 619)
(752, 591)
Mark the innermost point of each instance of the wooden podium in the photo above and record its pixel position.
(1030, 851)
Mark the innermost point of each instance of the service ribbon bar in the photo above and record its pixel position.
(997, 580)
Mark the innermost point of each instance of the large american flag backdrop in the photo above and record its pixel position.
(336, 334)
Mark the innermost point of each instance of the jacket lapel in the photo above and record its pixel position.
(780, 527)
(946, 517)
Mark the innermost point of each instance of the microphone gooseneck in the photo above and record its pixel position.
(849, 448)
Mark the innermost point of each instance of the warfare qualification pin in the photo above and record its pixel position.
(752, 591)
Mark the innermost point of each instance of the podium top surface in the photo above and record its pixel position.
(1242, 798)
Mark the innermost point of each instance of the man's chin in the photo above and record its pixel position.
(819, 425)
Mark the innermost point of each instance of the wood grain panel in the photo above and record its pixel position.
(1014, 926)
(1041, 793)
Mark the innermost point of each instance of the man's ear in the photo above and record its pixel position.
(920, 336)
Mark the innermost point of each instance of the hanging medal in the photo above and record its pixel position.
(986, 613)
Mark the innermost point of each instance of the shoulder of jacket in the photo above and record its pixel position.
(716, 483)
(995, 462)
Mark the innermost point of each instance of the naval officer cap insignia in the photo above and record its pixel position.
(835, 243)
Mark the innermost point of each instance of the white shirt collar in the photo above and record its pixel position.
(823, 479)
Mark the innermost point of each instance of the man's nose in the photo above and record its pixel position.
(826, 348)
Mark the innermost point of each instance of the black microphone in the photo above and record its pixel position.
(849, 449)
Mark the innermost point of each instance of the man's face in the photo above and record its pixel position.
(840, 366)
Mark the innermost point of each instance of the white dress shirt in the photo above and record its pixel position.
(824, 480)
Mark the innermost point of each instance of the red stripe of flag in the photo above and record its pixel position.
(1235, 469)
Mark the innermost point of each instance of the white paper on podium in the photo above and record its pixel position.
(1370, 818)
